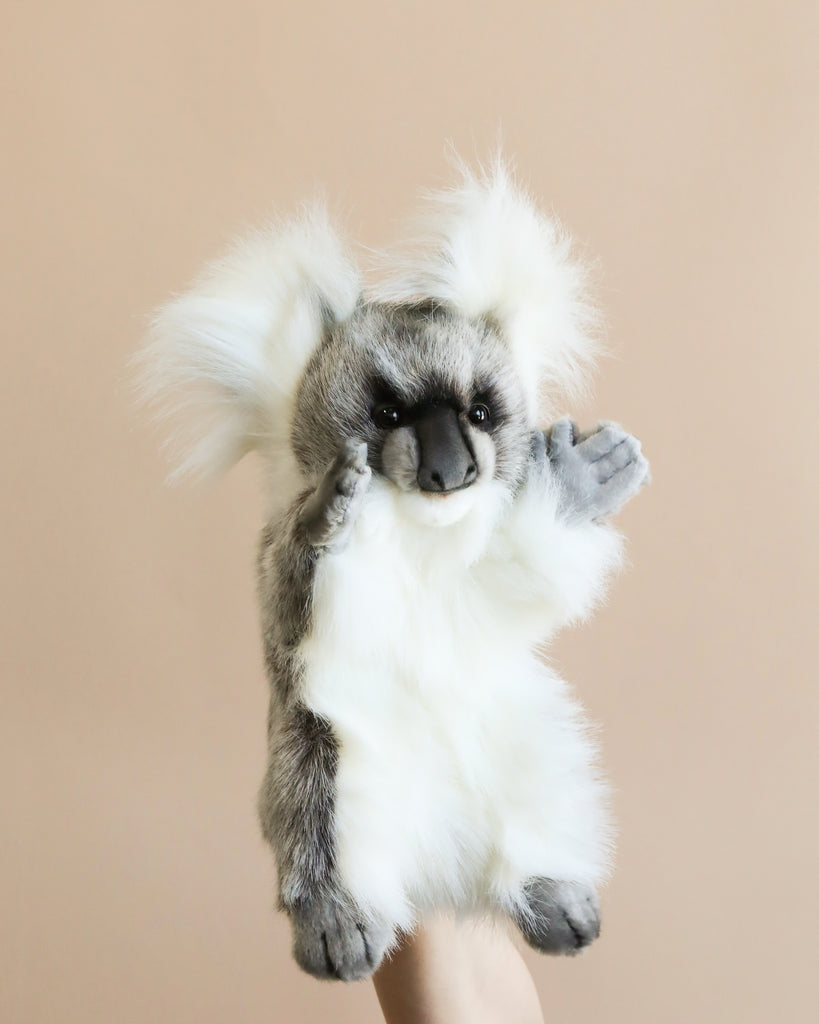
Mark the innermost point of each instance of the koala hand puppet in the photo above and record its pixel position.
(423, 538)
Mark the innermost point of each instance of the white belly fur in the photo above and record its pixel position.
(464, 765)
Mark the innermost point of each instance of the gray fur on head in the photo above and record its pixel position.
(412, 357)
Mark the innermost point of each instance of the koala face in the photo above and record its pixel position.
(434, 395)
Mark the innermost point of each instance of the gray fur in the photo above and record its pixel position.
(296, 802)
(416, 356)
(560, 917)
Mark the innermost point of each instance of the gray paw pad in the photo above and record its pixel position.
(330, 940)
(598, 472)
(560, 917)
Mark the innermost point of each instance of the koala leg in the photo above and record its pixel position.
(332, 937)
(559, 917)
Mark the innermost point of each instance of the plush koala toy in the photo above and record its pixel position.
(423, 538)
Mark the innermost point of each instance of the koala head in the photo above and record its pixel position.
(435, 395)
(439, 367)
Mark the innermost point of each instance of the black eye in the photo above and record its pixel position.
(388, 417)
(479, 414)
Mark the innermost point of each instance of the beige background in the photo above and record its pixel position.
(679, 141)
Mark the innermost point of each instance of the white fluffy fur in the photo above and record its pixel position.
(484, 249)
(224, 359)
(465, 765)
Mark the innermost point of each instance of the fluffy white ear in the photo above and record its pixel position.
(484, 249)
(223, 360)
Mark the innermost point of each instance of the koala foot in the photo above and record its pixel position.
(332, 940)
(331, 508)
(560, 917)
(598, 472)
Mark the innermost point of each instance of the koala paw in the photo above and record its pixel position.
(349, 472)
(560, 917)
(331, 940)
(598, 472)
(333, 506)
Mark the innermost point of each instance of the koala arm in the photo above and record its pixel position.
(325, 516)
(552, 569)
(556, 552)
(291, 544)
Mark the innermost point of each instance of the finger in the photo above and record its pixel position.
(627, 480)
(620, 456)
(537, 445)
(601, 442)
(360, 458)
(561, 435)
(351, 455)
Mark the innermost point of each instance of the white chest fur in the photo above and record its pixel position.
(463, 763)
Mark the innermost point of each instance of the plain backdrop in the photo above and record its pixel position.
(679, 141)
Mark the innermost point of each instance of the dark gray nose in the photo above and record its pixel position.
(446, 461)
